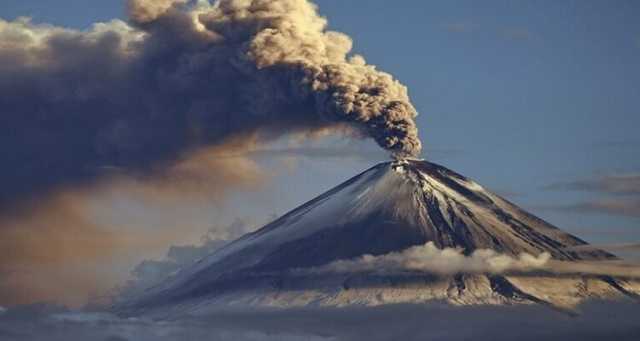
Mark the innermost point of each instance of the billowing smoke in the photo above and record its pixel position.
(166, 102)
(178, 77)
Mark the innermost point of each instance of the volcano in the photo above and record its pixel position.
(386, 209)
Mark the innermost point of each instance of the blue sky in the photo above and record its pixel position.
(516, 95)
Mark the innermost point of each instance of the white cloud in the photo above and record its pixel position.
(429, 258)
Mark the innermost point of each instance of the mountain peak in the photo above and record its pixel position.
(391, 207)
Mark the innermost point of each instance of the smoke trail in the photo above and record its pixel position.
(60, 236)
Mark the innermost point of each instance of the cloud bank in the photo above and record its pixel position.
(597, 321)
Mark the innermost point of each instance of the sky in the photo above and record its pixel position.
(535, 100)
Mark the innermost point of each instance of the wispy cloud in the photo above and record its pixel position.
(622, 232)
(509, 33)
(323, 153)
(617, 144)
(507, 193)
(460, 27)
(628, 184)
(618, 195)
(626, 251)
(340, 152)
(608, 247)
(616, 207)
(517, 33)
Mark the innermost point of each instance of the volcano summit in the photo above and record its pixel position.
(407, 231)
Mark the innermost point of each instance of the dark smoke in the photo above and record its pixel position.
(178, 77)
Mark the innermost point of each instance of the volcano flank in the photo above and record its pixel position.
(373, 220)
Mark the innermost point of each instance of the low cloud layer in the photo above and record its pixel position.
(442, 261)
(596, 321)
(448, 261)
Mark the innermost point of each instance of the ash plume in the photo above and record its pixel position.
(177, 77)
(172, 100)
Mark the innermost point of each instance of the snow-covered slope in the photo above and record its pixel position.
(387, 209)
